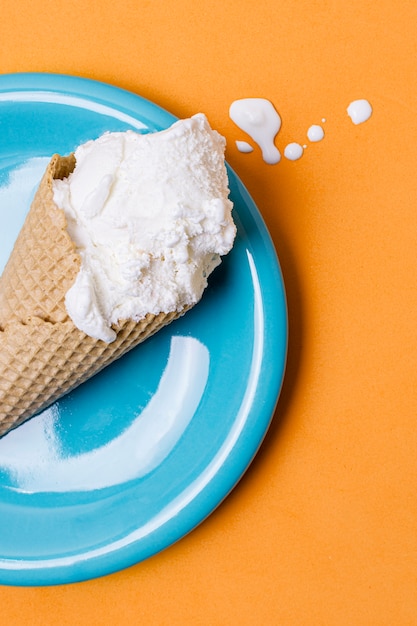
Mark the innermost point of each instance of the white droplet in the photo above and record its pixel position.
(315, 133)
(244, 146)
(258, 118)
(359, 111)
(293, 151)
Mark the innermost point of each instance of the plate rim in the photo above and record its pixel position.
(81, 570)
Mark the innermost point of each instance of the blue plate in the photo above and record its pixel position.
(134, 459)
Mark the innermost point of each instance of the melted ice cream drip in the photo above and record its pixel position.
(293, 151)
(259, 119)
(315, 133)
(359, 111)
(244, 146)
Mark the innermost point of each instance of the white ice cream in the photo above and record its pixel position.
(150, 217)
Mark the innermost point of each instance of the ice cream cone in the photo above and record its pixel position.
(43, 355)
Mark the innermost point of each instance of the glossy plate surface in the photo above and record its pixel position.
(134, 459)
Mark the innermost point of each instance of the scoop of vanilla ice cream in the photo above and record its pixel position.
(150, 216)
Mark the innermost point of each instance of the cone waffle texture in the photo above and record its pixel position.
(43, 355)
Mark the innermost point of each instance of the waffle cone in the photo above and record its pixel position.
(43, 355)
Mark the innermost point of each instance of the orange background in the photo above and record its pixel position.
(322, 530)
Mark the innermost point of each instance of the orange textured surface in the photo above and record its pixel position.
(323, 527)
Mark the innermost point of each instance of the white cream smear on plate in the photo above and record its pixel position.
(150, 216)
(259, 119)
